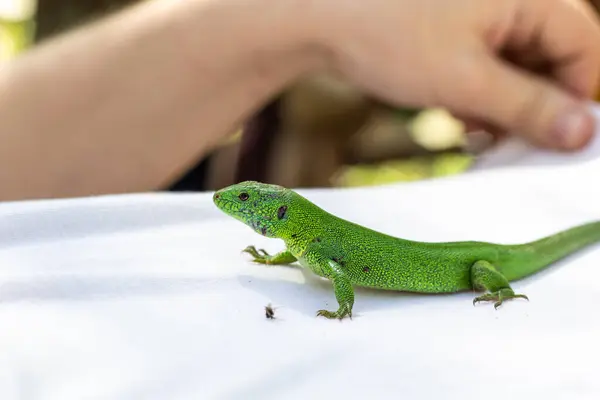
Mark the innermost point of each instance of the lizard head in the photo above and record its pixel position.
(263, 207)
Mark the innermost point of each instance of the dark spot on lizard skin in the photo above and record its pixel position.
(263, 230)
(318, 240)
(366, 269)
(281, 212)
(294, 235)
(255, 204)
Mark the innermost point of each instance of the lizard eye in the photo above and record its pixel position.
(243, 196)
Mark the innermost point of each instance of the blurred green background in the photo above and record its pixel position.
(17, 26)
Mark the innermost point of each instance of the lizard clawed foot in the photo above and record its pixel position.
(341, 313)
(263, 258)
(499, 297)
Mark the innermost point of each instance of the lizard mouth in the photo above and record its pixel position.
(231, 207)
(245, 215)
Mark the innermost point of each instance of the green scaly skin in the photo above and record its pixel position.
(351, 255)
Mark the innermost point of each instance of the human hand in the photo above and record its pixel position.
(524, 67)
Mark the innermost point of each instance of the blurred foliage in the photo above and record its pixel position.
(15, 36)
(406, 170)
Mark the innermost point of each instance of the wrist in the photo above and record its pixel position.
(269, 39)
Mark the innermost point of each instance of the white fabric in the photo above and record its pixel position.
(149, 297)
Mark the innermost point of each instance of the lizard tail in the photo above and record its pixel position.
(526, 259)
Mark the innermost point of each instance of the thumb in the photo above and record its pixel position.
(527, 105)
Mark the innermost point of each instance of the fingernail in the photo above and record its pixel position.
(573, 129)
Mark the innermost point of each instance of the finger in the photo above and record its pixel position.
(568, 34)
(524, 104)
(481, 135)
(478, 142)
(476, 125)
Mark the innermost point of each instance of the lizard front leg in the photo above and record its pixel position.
(283, 257)
(484, 276)
(342, 287)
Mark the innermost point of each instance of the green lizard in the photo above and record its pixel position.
(351, 255)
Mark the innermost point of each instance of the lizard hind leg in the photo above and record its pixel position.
(484, 276)
(345, 298)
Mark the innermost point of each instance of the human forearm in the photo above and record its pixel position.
(126, 104)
